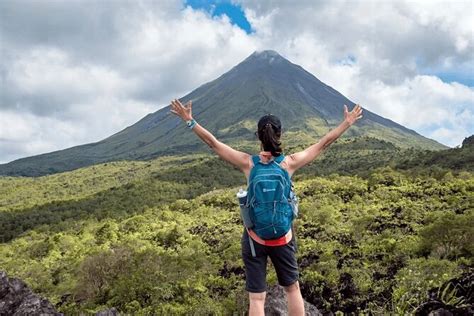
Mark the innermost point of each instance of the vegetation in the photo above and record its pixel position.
(163, 236)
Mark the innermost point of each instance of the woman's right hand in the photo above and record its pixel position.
(183, 111)
(354, 115)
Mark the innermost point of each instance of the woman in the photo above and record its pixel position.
(283, 257)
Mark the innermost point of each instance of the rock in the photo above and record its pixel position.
(108, 312)
(440, 312)
(17, 299)
(276, 303)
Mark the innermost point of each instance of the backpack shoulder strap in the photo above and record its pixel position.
(279, 159)
(255, 159)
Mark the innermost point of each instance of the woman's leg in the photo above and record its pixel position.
(295, 300)
(257, 304)
(286, 267)
(255, 275)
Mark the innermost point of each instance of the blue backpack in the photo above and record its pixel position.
(271, 198)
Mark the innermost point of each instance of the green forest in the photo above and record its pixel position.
(379, 227)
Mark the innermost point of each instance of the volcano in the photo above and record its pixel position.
(229, 107)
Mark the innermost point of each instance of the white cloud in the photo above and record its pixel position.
(205, 48)
(452, 137)
(422, 103)
(51, 74)
(398, 31)
(26, 134)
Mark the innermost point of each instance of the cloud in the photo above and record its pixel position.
(27, 134)
(145, 41)
(396, 31)
(423, 103)
(45, 81)
(78, 71)
(205, 48)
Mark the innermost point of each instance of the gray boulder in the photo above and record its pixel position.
(108, 312)
(276, 303)
(17, 299)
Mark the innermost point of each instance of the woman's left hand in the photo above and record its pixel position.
(183, 111)
(354, 115)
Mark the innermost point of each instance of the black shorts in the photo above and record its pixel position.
(283, 259)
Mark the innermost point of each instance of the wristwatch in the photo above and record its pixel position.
(191, 123)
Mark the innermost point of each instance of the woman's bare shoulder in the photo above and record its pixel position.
(288, 158)
(249, 167)
(286, 163)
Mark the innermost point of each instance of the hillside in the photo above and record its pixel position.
(229, 107)
(453, 158)
(163, 236)
(92, 191)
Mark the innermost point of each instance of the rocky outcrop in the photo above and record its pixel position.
(276, 303)
(17, 299)
(468, 142)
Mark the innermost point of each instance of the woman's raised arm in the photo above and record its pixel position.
(227, 153)
(302, 158)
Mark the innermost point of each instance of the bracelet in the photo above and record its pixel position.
(191, 123)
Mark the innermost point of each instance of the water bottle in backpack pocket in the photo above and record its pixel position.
(244, 208)
(293, 202)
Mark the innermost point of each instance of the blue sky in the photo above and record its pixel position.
(217, 8)
(463, 76)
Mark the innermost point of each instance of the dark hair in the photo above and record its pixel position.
(269, 133)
